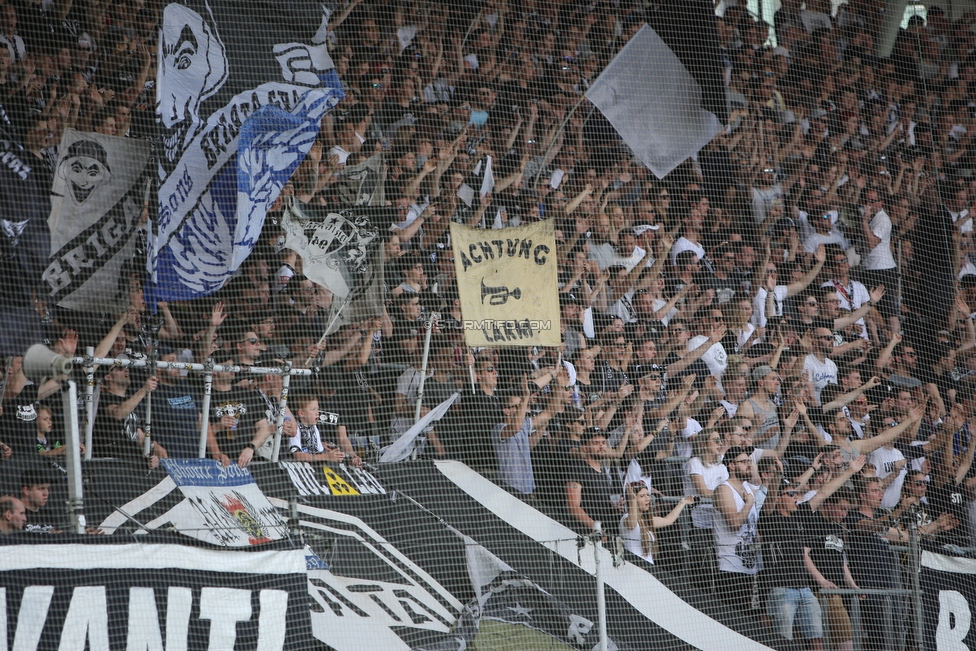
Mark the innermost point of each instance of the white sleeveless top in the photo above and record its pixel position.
(738, 551)
(632, 540)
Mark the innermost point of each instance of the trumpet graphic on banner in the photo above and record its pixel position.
(499, 295)
(513, 271)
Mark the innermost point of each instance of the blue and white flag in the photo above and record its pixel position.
(241, 97)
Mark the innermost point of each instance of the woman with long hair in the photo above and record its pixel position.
(638, 524)
(703, 473)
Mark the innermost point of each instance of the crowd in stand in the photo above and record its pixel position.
(761, 315)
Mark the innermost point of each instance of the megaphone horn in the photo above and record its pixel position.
(41, 362)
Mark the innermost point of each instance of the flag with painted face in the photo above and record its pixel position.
(100, 188)
(241, 93)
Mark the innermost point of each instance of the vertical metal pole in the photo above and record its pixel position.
(205, 417)
(73, 458)
(147, 424)
(423, 366)
(89, 399)
(914, 549)
(282, 403)
(899, 268)
(601, 596)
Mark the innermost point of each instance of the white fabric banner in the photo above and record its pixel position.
(654, 103)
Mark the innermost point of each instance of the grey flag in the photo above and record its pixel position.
(654, 103)
(363, 184)
(97, 201)
(336, 248)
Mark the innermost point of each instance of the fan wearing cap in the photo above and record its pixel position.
(787, 536)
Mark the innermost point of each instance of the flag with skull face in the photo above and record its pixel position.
(97, 202)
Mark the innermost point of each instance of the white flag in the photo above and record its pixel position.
(654, 103)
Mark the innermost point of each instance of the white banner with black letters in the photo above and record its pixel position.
(96, 203)
(948, 601)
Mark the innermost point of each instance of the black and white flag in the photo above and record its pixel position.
(241, 91)
(363, 184)
(96, 203)
(339, 248)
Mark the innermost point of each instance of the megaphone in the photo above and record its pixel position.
(41, 362)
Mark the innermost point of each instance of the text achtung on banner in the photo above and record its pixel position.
(507, 284)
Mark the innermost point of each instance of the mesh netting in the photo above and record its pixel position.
(511, 324)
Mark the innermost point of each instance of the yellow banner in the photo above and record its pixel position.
(508, 285)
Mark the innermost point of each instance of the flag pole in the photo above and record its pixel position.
(423, 365)
(329, 327)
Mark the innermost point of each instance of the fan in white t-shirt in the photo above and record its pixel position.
(819, 368)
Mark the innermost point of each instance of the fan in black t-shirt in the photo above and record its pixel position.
(117, 431)
(237, 417)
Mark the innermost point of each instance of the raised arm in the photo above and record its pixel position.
(819, 256)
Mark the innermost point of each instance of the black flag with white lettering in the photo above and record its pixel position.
(96, 203)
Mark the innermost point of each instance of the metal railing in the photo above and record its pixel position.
(89, 362)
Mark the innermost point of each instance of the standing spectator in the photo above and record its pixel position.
(516, 436)
(875, 565)
(175, 414)
(851, 293)
(589, 486)
(703, 473)
(20, 397)
(878, 265)
(761, 409)
(237, 417)
(736, 530)
(785, 535)
(820, 369)
(117, 431)
(480, 413)
(638, 524)
(826, 561)
(770, 295)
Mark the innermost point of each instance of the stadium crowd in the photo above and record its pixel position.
(762, 314)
